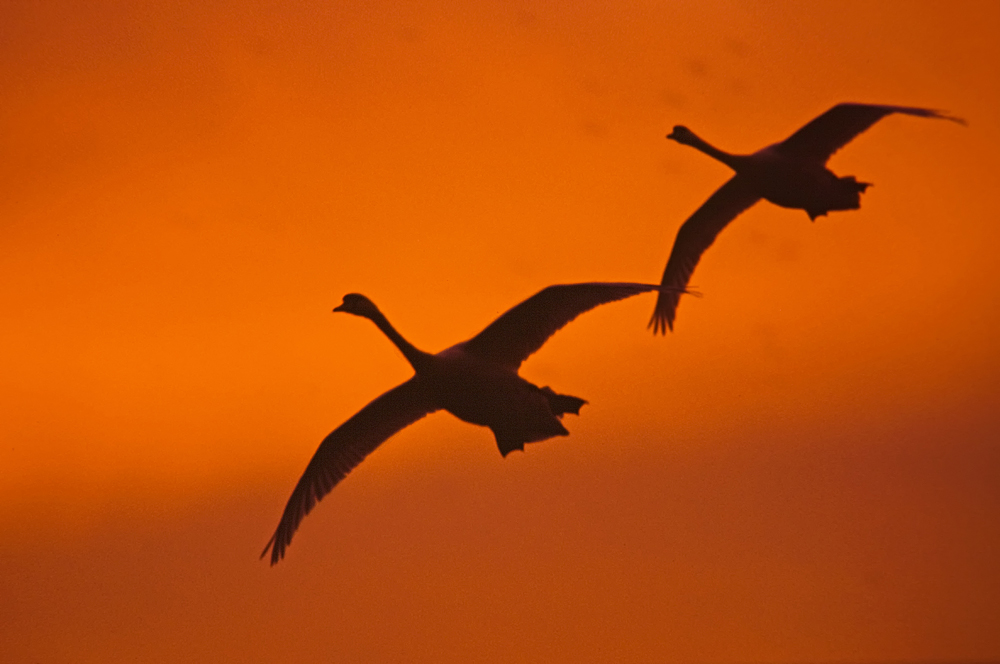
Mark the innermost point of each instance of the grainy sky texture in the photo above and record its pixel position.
(807, 469)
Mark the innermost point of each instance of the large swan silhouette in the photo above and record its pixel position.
(475, 380)
(791, 174)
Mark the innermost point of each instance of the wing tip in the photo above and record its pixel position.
(934, 113)
(665, 312)
(277, 552)
(953, 118)
(661, 322)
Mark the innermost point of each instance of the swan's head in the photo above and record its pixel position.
(359, 305)
(682, 135)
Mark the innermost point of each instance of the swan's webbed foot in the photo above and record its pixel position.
(507, 444)
(510, 439)
(560, 404)
(847, 195)
(852, 185)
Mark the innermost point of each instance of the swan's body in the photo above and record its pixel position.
(475, 380)
(792, 174)
(481, 392)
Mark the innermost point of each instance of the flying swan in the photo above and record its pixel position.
(475, 380)
(791, 174)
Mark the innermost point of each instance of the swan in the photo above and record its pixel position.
(475, 380)
(791, 174)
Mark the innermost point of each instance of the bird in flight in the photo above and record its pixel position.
(475, 380)
(792, 174)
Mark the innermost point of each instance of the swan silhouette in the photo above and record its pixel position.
(475, 380)
(791, 174)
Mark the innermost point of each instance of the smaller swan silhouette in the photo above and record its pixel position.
(791, 174)
(475, 380)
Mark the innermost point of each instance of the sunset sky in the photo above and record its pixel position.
(807, 469)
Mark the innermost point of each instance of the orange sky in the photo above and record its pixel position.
(807, 469)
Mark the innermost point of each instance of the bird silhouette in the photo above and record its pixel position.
(791, 174)
(475, 380)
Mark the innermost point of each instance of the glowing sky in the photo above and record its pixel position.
(808, 468)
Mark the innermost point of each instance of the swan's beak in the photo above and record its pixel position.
(339, 307)
(681, 134)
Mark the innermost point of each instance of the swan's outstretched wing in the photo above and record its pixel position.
(820, 138)
(345, 448)
(695, 236)
(522, 330)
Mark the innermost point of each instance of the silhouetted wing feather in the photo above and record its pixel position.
(820, 138)
(695, 236)
(345, 448)
(515, 335)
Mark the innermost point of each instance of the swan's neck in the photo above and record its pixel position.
(416, 357)
(698, 143)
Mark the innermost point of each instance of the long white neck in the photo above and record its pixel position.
(416, 357)
(731, 160)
